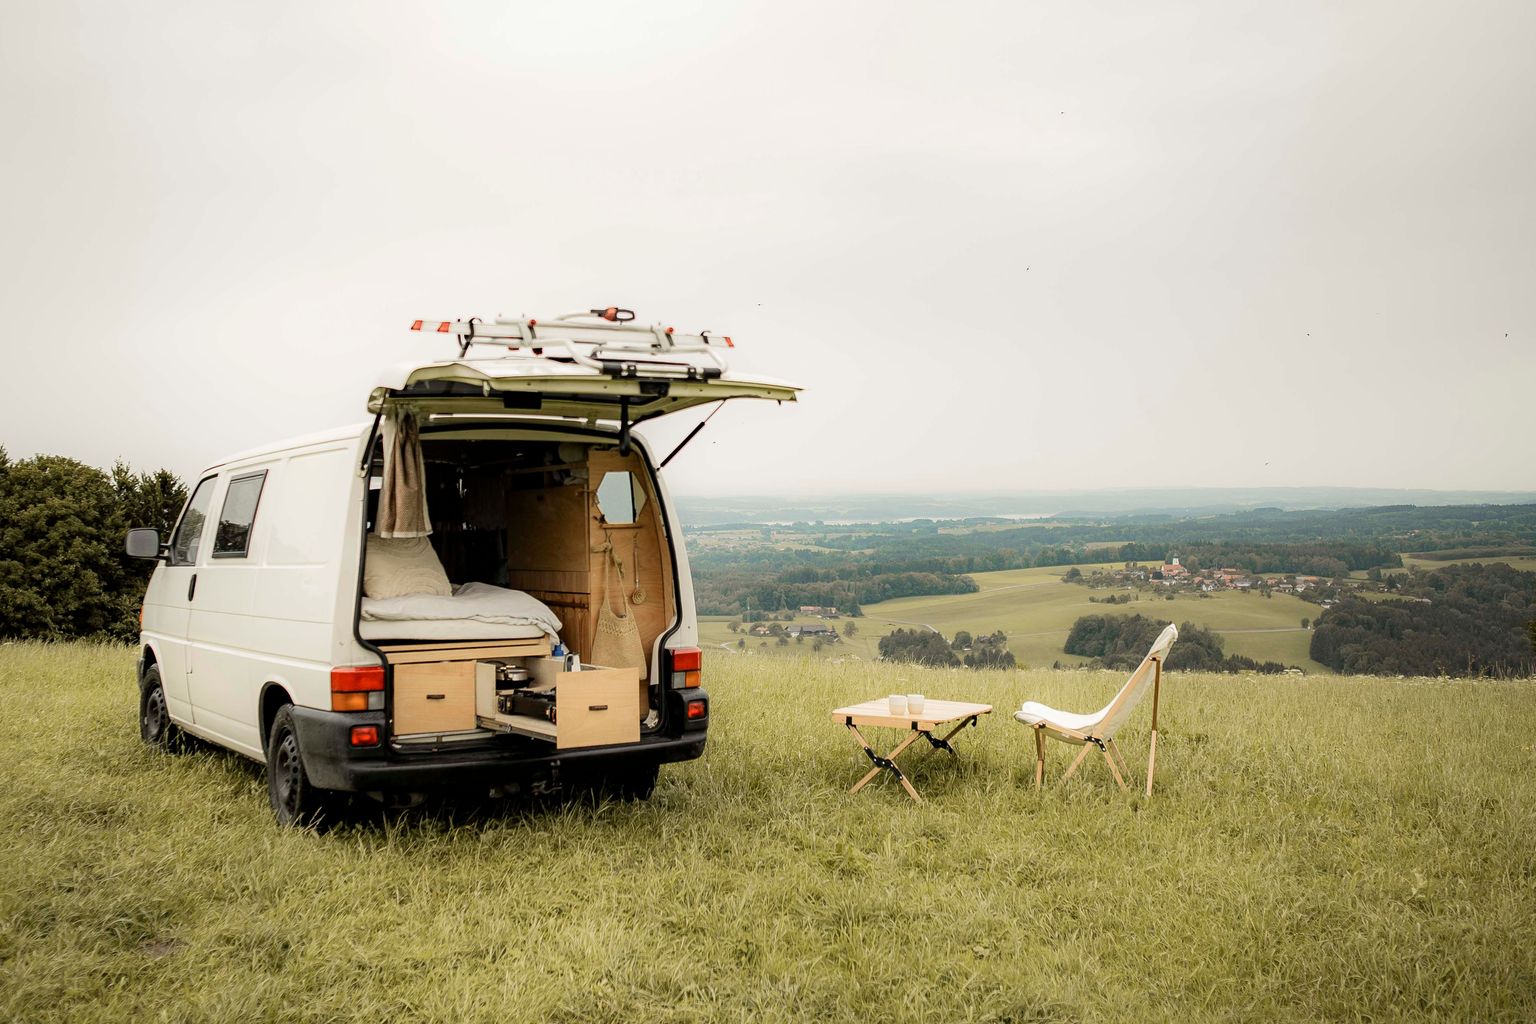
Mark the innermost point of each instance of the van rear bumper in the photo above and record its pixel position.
(333, 763)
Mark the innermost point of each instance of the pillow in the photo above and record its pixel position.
(398, 566)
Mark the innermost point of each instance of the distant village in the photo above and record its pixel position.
(1176, 576)
(1209, 581)
(808, 631)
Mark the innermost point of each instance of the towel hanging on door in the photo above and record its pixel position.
(403, 497)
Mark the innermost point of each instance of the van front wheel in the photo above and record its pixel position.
(155, 726)
(295, 800)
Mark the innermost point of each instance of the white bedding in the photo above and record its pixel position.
(476, 611)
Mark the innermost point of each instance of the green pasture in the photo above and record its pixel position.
(1317, 848)
(1037, 610)
(1525, 563)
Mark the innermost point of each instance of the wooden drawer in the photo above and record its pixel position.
(597, 706)
(434, 697)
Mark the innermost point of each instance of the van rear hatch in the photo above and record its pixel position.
(570, 370)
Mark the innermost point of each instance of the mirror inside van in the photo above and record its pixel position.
(618, 499)
(142, 542)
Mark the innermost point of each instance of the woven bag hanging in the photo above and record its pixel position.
(616, 643)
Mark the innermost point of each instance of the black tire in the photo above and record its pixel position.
(625, 783)
(296, 802)
(638, 784)
(155, 726)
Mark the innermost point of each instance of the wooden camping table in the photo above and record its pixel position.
(935, 713)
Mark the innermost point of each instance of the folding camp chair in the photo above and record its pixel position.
(1098, 729)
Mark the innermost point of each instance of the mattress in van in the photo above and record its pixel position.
(476, 611)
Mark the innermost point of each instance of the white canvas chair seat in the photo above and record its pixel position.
(1098, 729)
(1035, 713)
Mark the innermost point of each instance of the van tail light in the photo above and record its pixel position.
(357, 688)
(687, 668)
(697, 709)
(365, 735)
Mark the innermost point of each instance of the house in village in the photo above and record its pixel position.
(813, 631)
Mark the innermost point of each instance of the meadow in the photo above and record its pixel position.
(1316, 848)
(1037, 610)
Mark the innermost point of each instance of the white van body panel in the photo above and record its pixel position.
(282, 614)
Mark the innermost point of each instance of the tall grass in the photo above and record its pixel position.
(1316, 849)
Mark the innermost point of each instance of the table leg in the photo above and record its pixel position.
(886, 763)
(943, 744)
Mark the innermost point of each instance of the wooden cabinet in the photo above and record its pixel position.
(434, 683)
(434, 697)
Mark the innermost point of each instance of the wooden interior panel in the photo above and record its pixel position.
(434, 697)
(546, 529)
(641, 548)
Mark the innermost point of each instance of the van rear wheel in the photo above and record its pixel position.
(627, 784)
(155, 726)
(296, 802)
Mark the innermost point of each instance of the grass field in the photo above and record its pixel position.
(1313, 852)
(1037, 610)
(1524, 563)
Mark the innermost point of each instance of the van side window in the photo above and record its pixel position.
(233, 538)
(189, 532)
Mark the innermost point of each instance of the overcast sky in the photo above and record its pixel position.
(1001, 246)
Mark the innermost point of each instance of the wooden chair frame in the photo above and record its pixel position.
(1112, 756)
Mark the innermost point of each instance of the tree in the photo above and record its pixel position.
(1305, 622)
(962, 640)
(63, 572)
(817, 646)
(851, 630)
(924, 647)
(741, 644)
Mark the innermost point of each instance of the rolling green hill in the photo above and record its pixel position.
(1037, 610)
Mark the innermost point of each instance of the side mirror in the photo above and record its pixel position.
(142, 542)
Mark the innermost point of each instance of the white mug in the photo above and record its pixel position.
(915, 703)
(897, 704)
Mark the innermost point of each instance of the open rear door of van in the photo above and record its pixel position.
(570, 378)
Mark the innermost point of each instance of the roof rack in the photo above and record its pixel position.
(601, 339)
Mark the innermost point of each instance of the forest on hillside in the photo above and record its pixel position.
(1462, 620)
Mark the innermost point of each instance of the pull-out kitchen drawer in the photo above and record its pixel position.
(434, 697)
(593, 708)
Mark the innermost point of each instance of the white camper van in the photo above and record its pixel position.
(482, 586)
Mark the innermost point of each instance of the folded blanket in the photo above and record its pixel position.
(477, 602)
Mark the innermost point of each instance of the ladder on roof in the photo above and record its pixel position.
(601, 339)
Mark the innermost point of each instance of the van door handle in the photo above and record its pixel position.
(597, 707)
(192, 587)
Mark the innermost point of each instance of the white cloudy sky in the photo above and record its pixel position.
(1002, 246)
